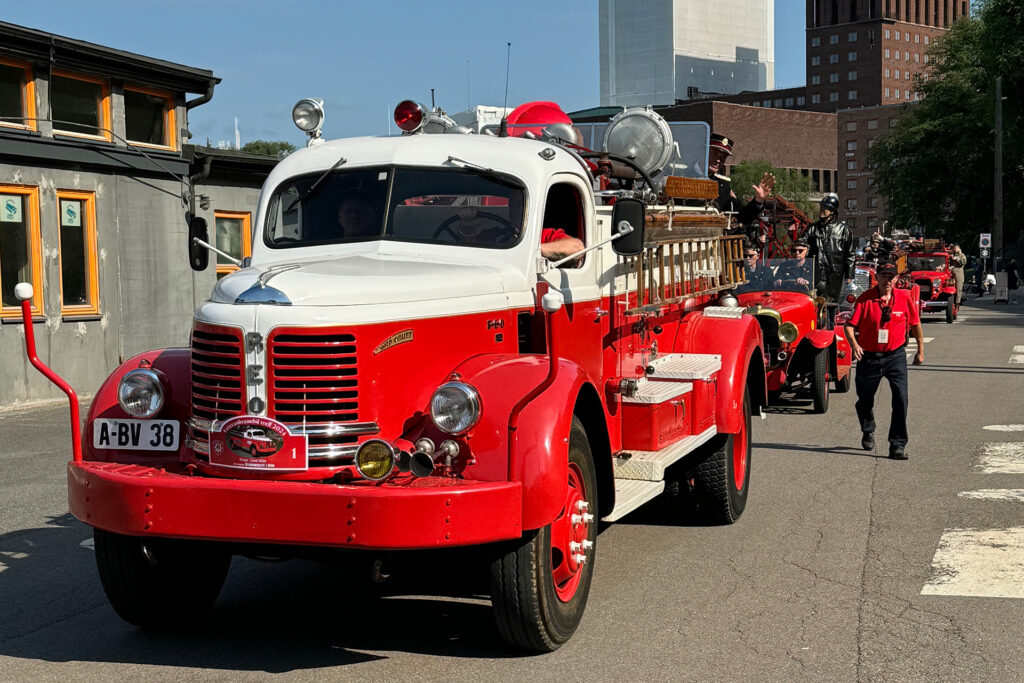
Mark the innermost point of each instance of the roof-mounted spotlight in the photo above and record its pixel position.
(308, 115)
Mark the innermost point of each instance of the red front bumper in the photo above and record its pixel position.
(422, 513)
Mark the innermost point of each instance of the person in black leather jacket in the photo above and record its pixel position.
(832, 249)
(746, 216)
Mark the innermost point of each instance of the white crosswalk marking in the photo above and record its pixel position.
(1008, 495)
(1019, 358)
(1005, 428)
(1018, 349)
(912, 346)
(1000, 458)
(978, 563)
(960, 319)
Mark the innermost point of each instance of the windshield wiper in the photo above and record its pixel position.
(316, 184)
(489, 173)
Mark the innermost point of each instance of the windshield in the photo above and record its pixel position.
(781, 275)
(937, 263)
(445, 206)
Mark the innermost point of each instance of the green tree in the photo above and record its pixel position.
(935, 167)
(269, 148)
(789, 183)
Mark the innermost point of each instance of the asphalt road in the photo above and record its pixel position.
(821, 579)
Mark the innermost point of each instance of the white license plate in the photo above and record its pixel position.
(135, 435)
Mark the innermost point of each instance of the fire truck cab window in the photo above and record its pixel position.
(564, 211)
(457, 207)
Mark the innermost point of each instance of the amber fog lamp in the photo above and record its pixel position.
(375, 459)
(141, 393)
(455, 407)
(788, 333)
(409, 116)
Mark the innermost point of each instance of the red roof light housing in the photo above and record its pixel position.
(409, 115)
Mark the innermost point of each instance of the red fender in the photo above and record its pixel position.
(539, 452)
(821, 339)
(736, 340)
(175, 366)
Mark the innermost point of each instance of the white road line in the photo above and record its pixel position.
(1009, 495)
(1019, 358)
(1005, 428)
(978, 563)
(1018, 349)
(960, 319)
(1000, 458)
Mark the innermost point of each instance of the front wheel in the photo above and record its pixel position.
(721, 479)
(539, 585)
(159, 582)
(950, 311)
(820, 385)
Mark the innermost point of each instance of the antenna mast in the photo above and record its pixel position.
(503, 129)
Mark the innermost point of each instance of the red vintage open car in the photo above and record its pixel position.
(930, 269)
(803, 350)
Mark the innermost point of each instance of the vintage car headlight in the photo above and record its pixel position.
(788, 333)
(455, 407)
(936, 283)
(141, 393)
(375, 459)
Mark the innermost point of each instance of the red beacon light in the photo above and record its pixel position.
(409, 116)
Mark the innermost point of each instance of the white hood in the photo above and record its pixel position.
(372, 278)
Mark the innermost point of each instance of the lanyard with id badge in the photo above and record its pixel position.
(883, 333)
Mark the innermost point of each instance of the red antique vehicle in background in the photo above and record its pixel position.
(803, 350)
(929, 267)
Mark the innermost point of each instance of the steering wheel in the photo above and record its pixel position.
(446, 226)
(622, 160)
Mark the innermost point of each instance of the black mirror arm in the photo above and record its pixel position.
(624, 229)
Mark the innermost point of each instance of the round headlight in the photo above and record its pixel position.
(455, 407)
(140, 393)
(788, 333)
(936, 283)
(308, 114)
(375, 459)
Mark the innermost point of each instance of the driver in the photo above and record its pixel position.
(556, 244)
(357, 215)
(796, 271)
(759, 275)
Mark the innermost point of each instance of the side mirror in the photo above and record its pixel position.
(633, 212)
(198, 256)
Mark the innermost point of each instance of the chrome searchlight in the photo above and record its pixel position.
(308, 116)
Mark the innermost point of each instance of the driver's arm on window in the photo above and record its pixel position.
(556, 244)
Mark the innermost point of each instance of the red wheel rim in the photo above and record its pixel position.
(569, 531)
(739, 458)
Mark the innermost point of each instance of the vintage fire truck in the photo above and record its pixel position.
(931, 270)
(432, 378)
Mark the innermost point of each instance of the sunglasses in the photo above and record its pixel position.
(801, 249)
(750, 255)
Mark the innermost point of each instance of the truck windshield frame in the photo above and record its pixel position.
(424, 205)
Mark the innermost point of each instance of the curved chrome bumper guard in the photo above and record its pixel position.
(319, 454)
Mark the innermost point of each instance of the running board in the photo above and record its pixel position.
(650, 465)
(676, 366)
(631, 494)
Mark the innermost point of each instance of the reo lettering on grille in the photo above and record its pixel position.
(394, 340)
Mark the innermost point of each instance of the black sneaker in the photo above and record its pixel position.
(867, 442)
(897, 453)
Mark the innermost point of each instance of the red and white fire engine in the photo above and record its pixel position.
(432, 380)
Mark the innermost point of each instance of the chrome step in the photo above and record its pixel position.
(650, 465)
(631, 494)
(674, 366)
(649, 392)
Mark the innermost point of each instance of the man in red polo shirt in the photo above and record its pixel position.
(878, 330)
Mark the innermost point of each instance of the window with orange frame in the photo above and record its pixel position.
(233, 236)
(79, 272)
(17, 95)
(21, 254)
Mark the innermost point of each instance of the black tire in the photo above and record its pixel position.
(819, 387)
(721, 479)
(532, 611)
(843, 385)
(159, 582)
(950, 313)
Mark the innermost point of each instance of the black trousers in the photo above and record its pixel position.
(891, 365)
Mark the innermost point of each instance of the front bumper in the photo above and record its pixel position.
(430, 512)
(934, 304)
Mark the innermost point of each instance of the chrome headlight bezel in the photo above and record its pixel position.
(390, 460)
(310, 111)
(142, 385)
(463, 397)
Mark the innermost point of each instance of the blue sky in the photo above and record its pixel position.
(364, 57)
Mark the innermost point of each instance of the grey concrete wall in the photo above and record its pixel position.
(147, 291)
